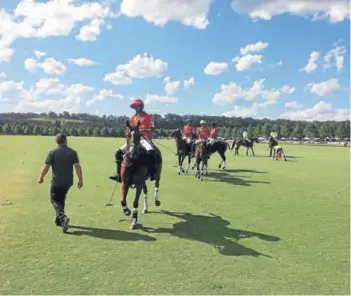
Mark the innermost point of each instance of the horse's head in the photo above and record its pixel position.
(202, 150)
(176, 134)
(133, 137)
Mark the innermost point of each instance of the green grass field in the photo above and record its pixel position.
(261, 227)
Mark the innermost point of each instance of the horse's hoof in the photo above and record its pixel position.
(133, 225)
(219, 166)
(157, 203)
(178, 173)
(127, 212)
(145, 211)
(183, 171)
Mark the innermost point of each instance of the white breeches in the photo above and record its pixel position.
(143, 143)
(188, 140)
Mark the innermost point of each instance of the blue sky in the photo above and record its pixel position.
(176, 40)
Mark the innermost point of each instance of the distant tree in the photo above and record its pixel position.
(54, 131)
(266, 130)
(311, 130)
(258, 130)
(6, 129)
(250, 131)
(17, 130)
(112, 132)
(52, 114)
(324, 131)
(37, 130)
(96, 132)
(81, 132)
(298, 131)
(104, 132)
(88, 132)
(45, 131)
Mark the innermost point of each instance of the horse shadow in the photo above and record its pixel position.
(101, 233)
(227, 178)
(212, 230)
(243, 171)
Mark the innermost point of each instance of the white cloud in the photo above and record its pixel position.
(325, 88)
(39, 54)
(5, 53)
(321, 111)
(31, 19)
(91, 31)
(255, 47)
(3, 75)
(336, 54)
(46, 94)
(215, 68)
(4, 100)
(240, 112)
(141, 66)
(189, 82)
(311, 65)
(49, 66)
(82, 62)
(171, 86)
(231, 93)
(293, 104)
(160, 99)
(332, 10)
(103, 95)
(277, 64)
(159, 12)
(244, 63)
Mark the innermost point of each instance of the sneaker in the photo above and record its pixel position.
(65, 224)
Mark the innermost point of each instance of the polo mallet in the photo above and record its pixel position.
(109, 204)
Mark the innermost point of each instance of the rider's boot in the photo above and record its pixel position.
(151, 155)
(117, 176)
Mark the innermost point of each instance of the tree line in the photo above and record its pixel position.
(88, 125)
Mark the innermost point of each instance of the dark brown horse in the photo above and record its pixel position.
(134, 173)
(201, 157)
(183, 151)
(245, 143)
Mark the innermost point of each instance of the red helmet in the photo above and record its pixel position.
(137, 102)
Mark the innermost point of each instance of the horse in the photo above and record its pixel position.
(183, 151)
(246, 144)
(134, 173)
(201, 156)
(220, 147)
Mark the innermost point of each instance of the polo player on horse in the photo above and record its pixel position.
(188, 132)
(245, 136)
(146, 128)
(203, 134)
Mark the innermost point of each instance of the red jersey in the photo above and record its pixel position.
(203, 133)
(213, 133)
(146, 123)
(188, 131)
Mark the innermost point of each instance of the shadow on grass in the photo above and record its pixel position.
(230, 179)
(109, 234)
(243, 171)
(212, 230)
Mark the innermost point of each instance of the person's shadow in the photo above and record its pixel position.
(224, 177)
(109, 234)
(212, 230)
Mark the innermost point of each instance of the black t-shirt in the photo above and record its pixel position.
(62, 159)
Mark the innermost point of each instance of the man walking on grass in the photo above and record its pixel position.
(61, 159)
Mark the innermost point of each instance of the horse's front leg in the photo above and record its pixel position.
(146, 206)
(124, 193)
(253, 153)
(189, 162)
(135, 207)
(202, 171)
(247, 151)
(181, 170)
(179, 163)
